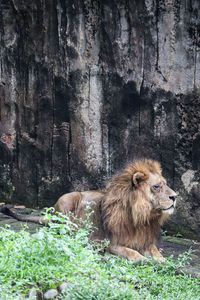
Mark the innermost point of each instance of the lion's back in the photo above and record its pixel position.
(80, 203)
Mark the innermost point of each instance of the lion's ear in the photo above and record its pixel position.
(138, 178)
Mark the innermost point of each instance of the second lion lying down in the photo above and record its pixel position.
(129, 212)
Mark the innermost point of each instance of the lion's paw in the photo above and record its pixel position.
(140, 261)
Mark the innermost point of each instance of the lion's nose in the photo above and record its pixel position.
(173, 198)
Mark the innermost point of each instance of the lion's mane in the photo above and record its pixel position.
(126, 210)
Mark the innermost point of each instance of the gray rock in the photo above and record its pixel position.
(50, 294)
(92, 85)
(34, 295)
(63, 286)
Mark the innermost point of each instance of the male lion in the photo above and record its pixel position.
(129, 212)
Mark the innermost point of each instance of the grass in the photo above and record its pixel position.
(62, 253)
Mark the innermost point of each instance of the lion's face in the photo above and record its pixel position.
(161, 197)
(153, 195)
(142, 191)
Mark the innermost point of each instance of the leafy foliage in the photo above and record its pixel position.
(64, 253)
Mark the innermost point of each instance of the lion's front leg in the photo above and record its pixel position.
(127, 253)
(154, 252)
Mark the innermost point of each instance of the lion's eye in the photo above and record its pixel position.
(156, 187)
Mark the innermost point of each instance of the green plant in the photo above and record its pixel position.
(164, 232)
(178, 234)
(63, 252)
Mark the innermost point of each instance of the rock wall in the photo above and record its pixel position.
(87, 85)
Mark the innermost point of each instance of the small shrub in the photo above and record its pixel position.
(63, 252)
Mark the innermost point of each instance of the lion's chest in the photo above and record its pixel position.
(139, 238)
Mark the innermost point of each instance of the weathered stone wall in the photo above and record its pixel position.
(87, 85)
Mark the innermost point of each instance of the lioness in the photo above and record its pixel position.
(129, 212)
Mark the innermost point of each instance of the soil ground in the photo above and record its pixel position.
(170, 245)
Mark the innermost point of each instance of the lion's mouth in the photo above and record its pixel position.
(169, 210)
(171, 207)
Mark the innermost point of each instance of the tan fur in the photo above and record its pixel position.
(129, 212)
(132, 211)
